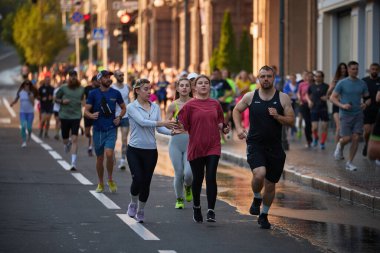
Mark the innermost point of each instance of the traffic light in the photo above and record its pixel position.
(87, 23)
(125, 21)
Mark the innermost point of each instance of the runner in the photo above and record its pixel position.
(144, 117)
(161, 87)
(70, 98)
(340, 73)
(56, 108)
(88, 123)
(101, 107)
(347, 95)
(203, 118)
(26, 94)
(373, 84)
(178, 146)
(317, 100)
(192, 77)
(45, 92)
(124, 123)
(269, 110)
(304, 108)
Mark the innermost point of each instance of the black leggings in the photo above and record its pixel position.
(305, 111)
(198, 169)
(142, 163)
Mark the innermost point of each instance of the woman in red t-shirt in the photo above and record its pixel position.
(203, 118)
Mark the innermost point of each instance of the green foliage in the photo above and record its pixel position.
(227, 51)
(38, 31)
(213, 59)
(245, 52)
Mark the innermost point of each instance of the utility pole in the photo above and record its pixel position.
(185, 9)
(125, 60)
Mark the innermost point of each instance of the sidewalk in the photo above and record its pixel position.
(318, 169)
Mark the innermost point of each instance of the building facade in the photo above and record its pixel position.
(348, 30)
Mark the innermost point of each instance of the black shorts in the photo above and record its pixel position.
(56, 114)
(370, 116)
(319, 116)
(46, 109)
(88, 122)
(272, 158)
(335, 109)
(67, 125)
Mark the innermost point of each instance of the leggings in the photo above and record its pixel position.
(26, 121)
(305, 111)
(198, 167)
(178, 155)
(142, 163)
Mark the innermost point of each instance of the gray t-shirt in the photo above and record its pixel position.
(125, 95)
(351, 92)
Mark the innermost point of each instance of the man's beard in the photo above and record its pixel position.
(267, 86)
(107, 84)
(374, 75)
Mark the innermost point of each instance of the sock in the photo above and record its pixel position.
(324, 137)
(134, 199)
(141, 206)
(257, 195)
(315, 134)
(73, 159)
(265, 209)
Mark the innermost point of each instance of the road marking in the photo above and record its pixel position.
(9, 108)
(81, 179)
(55, 155)
(6, 55)
(64, 164)
(138, 228)
(167, 251)
(36, 139)
(46, 146)
(5, 120)
(107, 202)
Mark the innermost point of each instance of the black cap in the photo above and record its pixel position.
(94, 78)
(73, 73)
(103, 73)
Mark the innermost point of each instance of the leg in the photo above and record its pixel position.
(258, 176)
(354, 147)
(198, 170)
(149, 164)
(23, 123)
(337, 126)
(324, 129)
(211, 186)
(269, 193)
(109, 162)
(135, 166)
(100, 168)
(178, 165)
(30, 118)
(47, 125)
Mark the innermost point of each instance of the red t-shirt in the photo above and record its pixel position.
(200, 117)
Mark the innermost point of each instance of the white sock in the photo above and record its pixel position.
(73, 159)
(141, 206)
(134, 199)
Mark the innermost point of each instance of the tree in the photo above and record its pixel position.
(39, 33)
(226, 50)
(214, 60)
(245, 52)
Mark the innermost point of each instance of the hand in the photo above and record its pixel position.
(170, 124)
(117, 120)
(310, 103)
(226, 128)
(176, 131)
(221, 99)
(242, 133)
(273, 112)
(65, 101)
(363, 106)
(94, 115)
(346, 106)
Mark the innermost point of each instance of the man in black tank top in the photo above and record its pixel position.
(269, 110)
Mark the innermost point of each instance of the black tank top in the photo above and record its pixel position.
(264, 129)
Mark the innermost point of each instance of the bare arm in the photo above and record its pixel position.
(170, 112)
(288, 118)
(88, 114)
(334, 98)
(378, 97)
(236, 114)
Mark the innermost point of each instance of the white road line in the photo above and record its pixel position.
(64, 164)
(6, 55)
(55, 155)
(138, 228)
(81, 179)
(36, 139)
(107, 202)
(9, 108)
(46, 146)
(5, 120)
(167, 251)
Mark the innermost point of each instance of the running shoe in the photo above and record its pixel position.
(68, 147)
(132, 209)
(338, 153)
(73, 167)
(122, 164)
(255, 206)
(89, 151)
(140, 216)
(188, 193)
(299, 134)
(351, 167)
(100, 188)
(210, 216)
(112, 186)
(323, 146)
(263, 221)
(197, 214)
(23, 145)
(179, 204)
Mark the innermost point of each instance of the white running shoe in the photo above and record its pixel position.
(122, 164)
(338, 153)
(351, 167)
(23, 145)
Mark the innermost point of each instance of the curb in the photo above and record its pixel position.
(342, 192)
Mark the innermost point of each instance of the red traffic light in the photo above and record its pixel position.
(86, 17)
(125, 18)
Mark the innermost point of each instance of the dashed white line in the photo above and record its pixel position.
(107, 202)
(36, 139)
(167, 251)
(46, 146)
(55, 155)
(81, 179)
(138, 228)
(64, 164)
(9, 108)
(6, 55)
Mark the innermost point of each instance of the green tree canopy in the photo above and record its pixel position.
(245, 52)
(226, 50)
(39, 32)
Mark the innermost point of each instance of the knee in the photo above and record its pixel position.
(355, 138)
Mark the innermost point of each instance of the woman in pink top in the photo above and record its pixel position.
(304, 107)
(203, 118)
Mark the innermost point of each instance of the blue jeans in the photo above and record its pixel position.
(104, 140)
(26, 121)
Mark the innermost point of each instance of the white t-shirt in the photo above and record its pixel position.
(56, 106)
(125, 95)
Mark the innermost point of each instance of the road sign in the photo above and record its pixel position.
(130, 6)
(77, 31)
(77, 17)
(98, 34)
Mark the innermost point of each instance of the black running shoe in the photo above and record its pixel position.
(211, 216)
(255, 206)
(364, 153)
(263, 221)
(197, 215)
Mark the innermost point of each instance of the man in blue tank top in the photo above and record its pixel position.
(269, 110)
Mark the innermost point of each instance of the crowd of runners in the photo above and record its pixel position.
(199, 113)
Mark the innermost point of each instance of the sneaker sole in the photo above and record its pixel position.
(211, 220)
(122, 168)
(197, 221)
